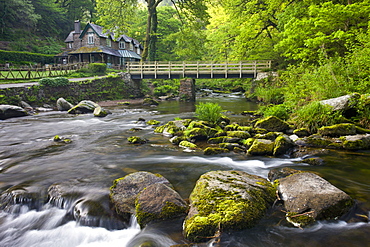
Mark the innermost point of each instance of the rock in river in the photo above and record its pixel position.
(149, 196)
(10, 111)
(308, 197)
(226, 200)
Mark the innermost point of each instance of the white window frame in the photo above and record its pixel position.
(122, 44)
(109, 42)
(90, 38)
(131, 46)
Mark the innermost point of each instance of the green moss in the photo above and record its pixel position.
(188, 144)
(354, 145)
(299, 220)
(153, 122)
(338, 130)
(226, 209)
(231, 127)
(239, 134)
(261, 147)
(136, 140)
(214, 151)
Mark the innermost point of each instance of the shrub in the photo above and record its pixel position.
(54, 82)
(315, 115)
(98, 68)
(210, 112)
(281, 111)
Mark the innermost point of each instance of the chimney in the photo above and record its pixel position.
(77, 26)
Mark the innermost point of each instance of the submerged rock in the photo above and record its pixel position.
(100, 112)
(10, 111)
(308, 197)
(226, 200)
(136, 140)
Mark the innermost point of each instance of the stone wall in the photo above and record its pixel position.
(109, 88)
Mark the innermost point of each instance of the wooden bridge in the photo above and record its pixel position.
(176, 70)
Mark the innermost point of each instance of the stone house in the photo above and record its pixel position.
(93, 45)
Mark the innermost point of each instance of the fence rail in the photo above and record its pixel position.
(27, 73)
(197, 69)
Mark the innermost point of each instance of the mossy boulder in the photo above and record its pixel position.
(356, 142)
(223, 139)
(150, 101)
(214, 150)
(224, 201)
(269, 136)
(261, 147)
(153, 122)
(308, 197)
(125, 190)
(196, 134)
(238, 134)
(10, 111)
(85, 106)
(281, 172)
(100, 112)
(170, 128)
(319, 141)
(301, 132)
(313, 161)
(247, 142)
(136, 140)
(187, 144)
(272, 123)
(158, 202)
(283, 145)
(232, 147)
(337, 130)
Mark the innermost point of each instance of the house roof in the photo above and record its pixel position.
(96, 49)
(98, 30)
(69, 37)
(129, 54)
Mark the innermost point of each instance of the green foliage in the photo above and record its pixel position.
(315, 115)
(210, 112)
(20, 56)
(54, 82)
(97, 68)
(281, 111)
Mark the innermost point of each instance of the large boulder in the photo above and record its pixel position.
(272, 123)
(226, 200)
(261, 147)
(308, 197)
(63, 105)
(10, 111)
(85, 106)
(158, 202)
(338, 130)
(136, 194)
(356, 142)
(283, 144)
(343, 103)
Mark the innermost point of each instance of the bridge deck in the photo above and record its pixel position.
(174, 70)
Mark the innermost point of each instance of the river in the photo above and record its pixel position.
(30, 162)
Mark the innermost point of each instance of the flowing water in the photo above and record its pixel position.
(30, 162)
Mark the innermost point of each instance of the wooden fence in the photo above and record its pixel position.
(26, 73)
(197, 69)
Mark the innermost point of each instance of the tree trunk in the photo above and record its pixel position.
(151, 31)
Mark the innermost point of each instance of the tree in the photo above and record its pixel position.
(116, 15)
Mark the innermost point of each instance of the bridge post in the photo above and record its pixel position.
(187, 89)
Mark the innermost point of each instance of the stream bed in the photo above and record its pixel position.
(99, 153)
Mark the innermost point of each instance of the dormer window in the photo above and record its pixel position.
(138, 51)
(70, 45)
(109, 42)
(131, 47)
(122, 45)
(90, 38)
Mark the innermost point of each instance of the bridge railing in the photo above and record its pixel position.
(197, 68)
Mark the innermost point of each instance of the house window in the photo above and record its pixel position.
(90, 38)
(122, 45)
(131, 47)
(138, 51)
(70, 45)
(109, 42)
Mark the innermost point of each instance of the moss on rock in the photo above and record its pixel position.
(261, 147)
(337, 130)
(187, 144)
(226, 200)
(272, 123)
(215, 150)
(238, 134)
